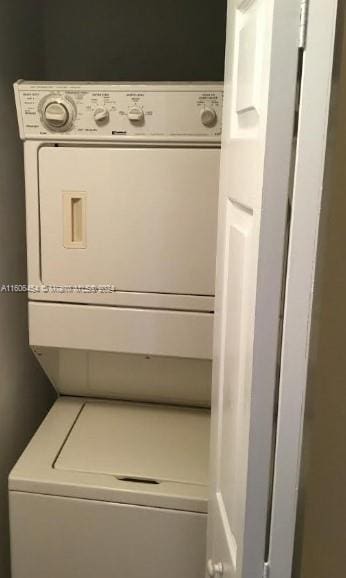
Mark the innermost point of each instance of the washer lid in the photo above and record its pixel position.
(139, 442)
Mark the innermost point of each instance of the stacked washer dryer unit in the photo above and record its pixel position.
(121, 193)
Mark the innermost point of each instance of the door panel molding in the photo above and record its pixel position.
(259, 109)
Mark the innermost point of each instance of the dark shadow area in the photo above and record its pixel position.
(134, 40)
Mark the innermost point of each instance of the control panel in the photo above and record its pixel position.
(84, 111)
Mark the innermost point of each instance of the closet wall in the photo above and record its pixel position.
(25, 394)
(134, 40)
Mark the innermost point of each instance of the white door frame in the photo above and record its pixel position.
(308, 183)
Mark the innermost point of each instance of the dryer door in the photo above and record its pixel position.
(140, 219)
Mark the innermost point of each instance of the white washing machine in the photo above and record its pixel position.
(121, 198)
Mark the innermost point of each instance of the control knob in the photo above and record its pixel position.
(208, 116)
(101, 115)
(57, 113)
(135, 114)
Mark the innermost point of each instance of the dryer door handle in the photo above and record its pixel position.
(74, 216)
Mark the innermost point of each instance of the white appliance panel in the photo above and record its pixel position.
(73, 538)
(140, 442)
(101, 477)
(147, 378)
(111, 112)
(146, 218)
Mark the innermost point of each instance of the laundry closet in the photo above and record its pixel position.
(121, 125)
(156, 282)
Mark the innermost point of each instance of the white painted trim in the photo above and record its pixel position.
(311, 146)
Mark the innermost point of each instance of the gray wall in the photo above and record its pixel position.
(25, 394)
(129, 40)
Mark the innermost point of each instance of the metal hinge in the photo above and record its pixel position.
(303, 24)
(266, 570)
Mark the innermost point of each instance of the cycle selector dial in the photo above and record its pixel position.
(208, 116)
(101, 115)
(57, 113)
(135, 114)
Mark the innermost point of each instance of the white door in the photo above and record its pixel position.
(259, 109)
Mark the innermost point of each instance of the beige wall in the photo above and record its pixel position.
(321, 529)
(25, 394)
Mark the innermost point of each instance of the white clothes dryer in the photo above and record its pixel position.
(121, 199)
